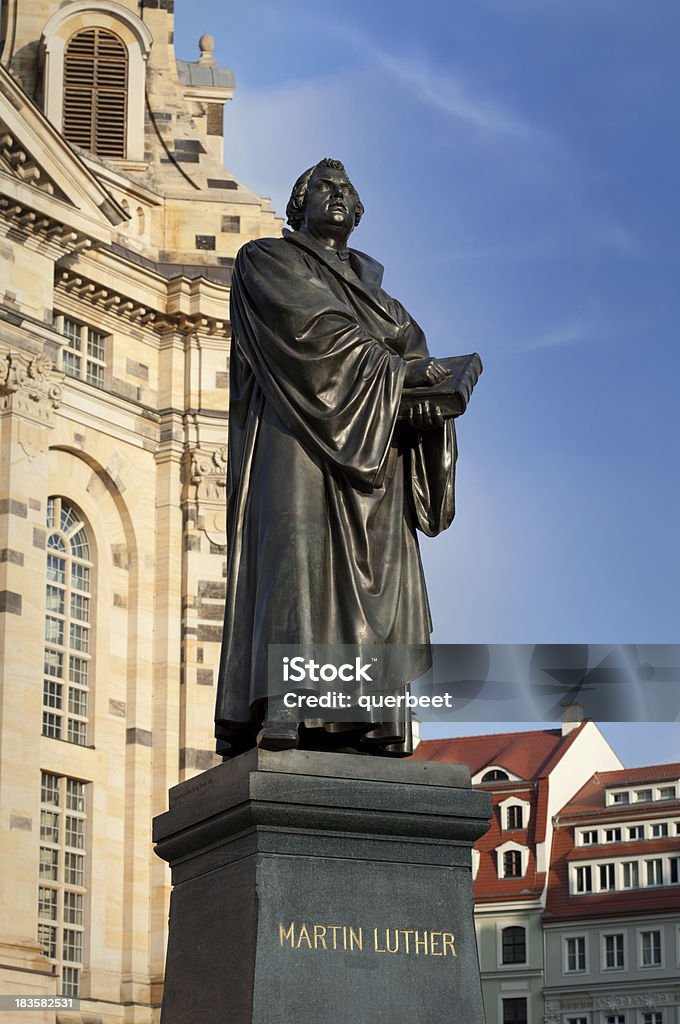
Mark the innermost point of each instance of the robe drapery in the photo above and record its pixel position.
(324, 495)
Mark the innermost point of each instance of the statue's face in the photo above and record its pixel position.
(330, 202)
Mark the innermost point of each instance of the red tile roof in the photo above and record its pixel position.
(526, 754)
(560, 905)
(590, 799)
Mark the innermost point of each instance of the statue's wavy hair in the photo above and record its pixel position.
(296, 203)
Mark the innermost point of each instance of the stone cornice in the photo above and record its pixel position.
(189, 319)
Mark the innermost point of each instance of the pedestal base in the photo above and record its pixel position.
(312, 888)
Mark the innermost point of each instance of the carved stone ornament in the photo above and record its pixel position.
(29, 386)
(552, 1006)
(209, 478)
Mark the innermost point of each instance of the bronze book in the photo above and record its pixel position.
(453, 393)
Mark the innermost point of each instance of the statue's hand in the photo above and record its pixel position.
(425, 416)
(421, 372)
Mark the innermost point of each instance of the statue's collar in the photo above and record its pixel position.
(349, 263)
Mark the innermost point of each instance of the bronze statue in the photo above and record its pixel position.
(325, 487)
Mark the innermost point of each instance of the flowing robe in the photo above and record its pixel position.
(323, 493)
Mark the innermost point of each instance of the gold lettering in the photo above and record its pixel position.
(319, 936)
(421, 942)
(447, 938)
(406, 932)
(376, 947)
(287, 933)
(335, 928)
(396, 940)
(344, 937)
(304, 934)
(434, 937)
(356, 939)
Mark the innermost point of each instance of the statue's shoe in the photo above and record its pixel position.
(278, 735)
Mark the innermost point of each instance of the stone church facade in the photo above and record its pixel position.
(118, 228)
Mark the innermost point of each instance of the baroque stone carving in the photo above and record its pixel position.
(29, 386)
(208, 474)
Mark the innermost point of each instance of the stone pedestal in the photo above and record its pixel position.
(312, 888)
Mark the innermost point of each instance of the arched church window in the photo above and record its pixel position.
(95, 92)
(68, 622)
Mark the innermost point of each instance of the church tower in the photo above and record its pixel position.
(119, 224)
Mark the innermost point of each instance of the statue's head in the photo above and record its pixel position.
(327, 173)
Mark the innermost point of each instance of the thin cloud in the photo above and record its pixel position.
(440, 89)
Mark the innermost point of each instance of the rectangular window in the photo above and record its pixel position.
(654, 871)
(79, 637)
(590, 838)
(618, 1018)
(61, 911)
(71, 364)
(56, 569)
(47, 903)
(650, 949)
(612, 835)
(53, 664)
(631, 874)
(620, 798)
(75, 795)
(73, 908)
(675, 870)
(80, 577)
(77, 702)
(52, 694)
(660, 830)
(51, 725)
(576, 955)
(667, 793)
(73, 945)
(80, 607)
(77, 732)
(54, 600)
(652, 1018)
(74, 869)
(231, 223)
(512, 864)
(584, 879)
(636, 832)
(49, 826)
(77, 670)
(47, 937)
(642, 795)
(607, 876)
(70, 981)
(577, 1020)
(54, 631)
(515, 817)
(49, 864)
(613, 952)
(84, 355)
(514, 945)
(514, 1011)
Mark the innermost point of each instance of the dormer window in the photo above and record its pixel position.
(95, 92)
(512, 860)
(495, 775)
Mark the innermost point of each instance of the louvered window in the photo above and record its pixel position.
(95, 92)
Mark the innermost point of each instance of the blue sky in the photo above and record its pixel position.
(518, 160)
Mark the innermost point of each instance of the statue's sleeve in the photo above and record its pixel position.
(431, 454)
(332, 384)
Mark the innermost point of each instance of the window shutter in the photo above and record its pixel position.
(95, 92)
